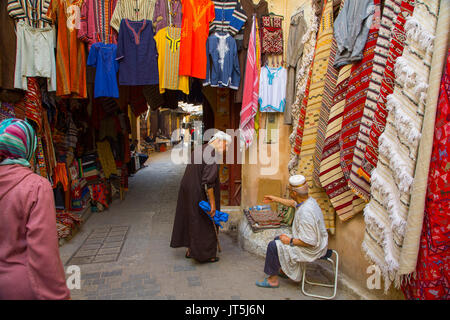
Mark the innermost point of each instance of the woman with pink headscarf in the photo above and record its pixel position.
(30, 265)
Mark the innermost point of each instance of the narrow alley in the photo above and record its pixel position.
(147, 268)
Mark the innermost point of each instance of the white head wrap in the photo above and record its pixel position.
(221, 136)
(298, 184)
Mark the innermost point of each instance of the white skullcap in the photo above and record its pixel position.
(297, 181)
(221, 136)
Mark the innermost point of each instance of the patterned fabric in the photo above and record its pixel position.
(18, 142)
(106, 158)
(262, 221)
(309, 43)
(327, 102)
(359, 185)
(6, 111)
(251, 88)
(386, 213)
(42, 167)
(272, 35)
(135, 10)
(411, 243)
(306, 165)
(355, 100)
(230, 17)
(432, 275)
(32, 102)
(32, 13)
(344, 201)
(387, 87)
(95, 22)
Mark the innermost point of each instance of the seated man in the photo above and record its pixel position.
(142, 156)
(309, 238)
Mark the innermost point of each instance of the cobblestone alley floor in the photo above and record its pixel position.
(140, 228)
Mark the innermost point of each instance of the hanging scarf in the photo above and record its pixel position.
(17, 142)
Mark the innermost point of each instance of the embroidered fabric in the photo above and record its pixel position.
(272, 35)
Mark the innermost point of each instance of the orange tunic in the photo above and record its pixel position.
(197, 14)
(70, 51)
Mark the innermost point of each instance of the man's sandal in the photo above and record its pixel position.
(266, 284)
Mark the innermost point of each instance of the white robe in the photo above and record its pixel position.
(308, 226)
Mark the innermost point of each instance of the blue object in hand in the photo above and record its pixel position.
(218, 217)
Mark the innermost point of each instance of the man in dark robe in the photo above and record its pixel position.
(193, 228)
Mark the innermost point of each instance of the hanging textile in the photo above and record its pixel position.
(386, 213)
(251, 89)
(95, 18)
(8, 39)
(312, 112)
(355, 100)
(309, 44)
(167, 14)
(358, 184)
(106, 158)
(397, 44)
(136, 10)
(332, 179)
(6, 111)
(327, 102)
(431, 280)
(229, 17)
(272, 89)
(272, 34)
(32, 103)
(410, 249)
(197, 15)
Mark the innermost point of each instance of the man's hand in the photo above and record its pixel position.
(212, 213)
(285, 239)
(268, 199)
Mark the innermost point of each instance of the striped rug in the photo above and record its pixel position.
(312, 112)
(386, 214)
(358, 86)
(327, 102)
(344, 201)
(360, 186)
(397, 44)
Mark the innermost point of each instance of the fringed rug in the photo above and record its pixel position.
(432, 276)
(410, 250)
(327, 102)
(344, 201)
(360, 186)
(391, 180)
(355, 100)
(397, 44)
(306, 165)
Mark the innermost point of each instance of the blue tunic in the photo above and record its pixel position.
(103, 57)
(137, 53)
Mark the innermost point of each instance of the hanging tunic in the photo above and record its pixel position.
(230, 17)
(103, 57)
(194, 32)
(8, 39)
(70, 52)
(137, 54)
(95, 22)
(222, 69)
(167, 14)
(272, 89)
(192, 227)
(309, 227)
(135, 10)
(168, 44)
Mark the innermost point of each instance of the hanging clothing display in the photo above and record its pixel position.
(251, 88)
(272, 89)
(137, 54)
(222, 67)
(358, 184)
(324, 40)
(70, 52)
(229, 17)
(35, 55)
(32, 13)
(136, 10)
(168, 45)
(272, 34)
(95, 21)
(103, 58)
(168, 13)
(391, 180)
(297, 30)
(250, 9)
(351, 29)
(197, 16)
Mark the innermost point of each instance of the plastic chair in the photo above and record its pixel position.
(335, 264)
